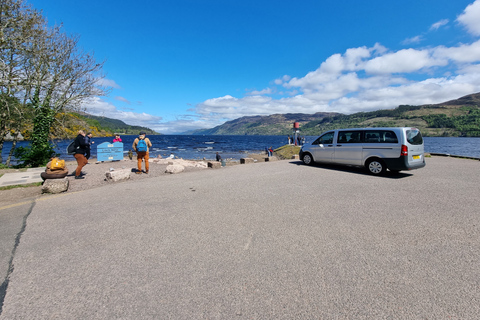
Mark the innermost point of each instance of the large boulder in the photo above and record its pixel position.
(118, 175)
(174, 168)
(55, 185)
(181, 162)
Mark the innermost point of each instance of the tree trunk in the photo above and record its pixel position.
(10, 154)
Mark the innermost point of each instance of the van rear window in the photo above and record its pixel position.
(414, 137)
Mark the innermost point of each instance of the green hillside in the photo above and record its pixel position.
(460, 117)
(115, 125)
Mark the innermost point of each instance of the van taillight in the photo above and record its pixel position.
(404, 150)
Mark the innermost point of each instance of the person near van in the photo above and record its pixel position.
(142, 145)
(80, 151)
(270, 152)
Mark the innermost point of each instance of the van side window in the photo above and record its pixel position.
(380, 136)
(349, 137)
(327, 138)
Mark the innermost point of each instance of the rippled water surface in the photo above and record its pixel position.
(236, 147)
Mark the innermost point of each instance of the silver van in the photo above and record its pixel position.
(376, 149)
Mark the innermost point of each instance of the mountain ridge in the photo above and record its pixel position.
(458, 117)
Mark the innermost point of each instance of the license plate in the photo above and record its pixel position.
(416, 157)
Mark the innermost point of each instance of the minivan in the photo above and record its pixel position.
(376, 149)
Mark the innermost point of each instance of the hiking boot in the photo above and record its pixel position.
(146, 172)
(138, 172)
(79, 177)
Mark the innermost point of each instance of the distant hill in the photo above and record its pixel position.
(460, 117)
(116, 126)
(276, 124)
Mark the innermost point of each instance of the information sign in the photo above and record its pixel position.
(110, 151)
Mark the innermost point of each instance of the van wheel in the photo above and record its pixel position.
(376, 167)
(307, 159)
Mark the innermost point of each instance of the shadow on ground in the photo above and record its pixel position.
(355, 170)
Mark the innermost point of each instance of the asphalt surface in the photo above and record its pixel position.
(275, 240)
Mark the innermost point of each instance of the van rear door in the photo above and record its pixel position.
(415, 147)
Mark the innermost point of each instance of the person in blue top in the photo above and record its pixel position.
(142, 145)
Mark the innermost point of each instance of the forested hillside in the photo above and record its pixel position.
(460, 117)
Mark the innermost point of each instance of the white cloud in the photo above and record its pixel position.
(261, 92)
(416, 39)
(122, 99)
(407, 60)
(98, 107)
(108, 83)
(364, 79)
(470, 18)
(465, 53)
(439, 24)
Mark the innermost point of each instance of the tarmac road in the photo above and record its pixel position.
(275, 240)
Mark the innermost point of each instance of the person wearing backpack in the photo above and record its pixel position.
(141, 146)
(80, 150)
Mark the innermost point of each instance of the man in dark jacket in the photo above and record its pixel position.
(88, 141)
(81, 148)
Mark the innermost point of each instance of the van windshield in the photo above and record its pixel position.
(414, 137)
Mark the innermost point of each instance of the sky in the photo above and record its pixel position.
(181, 65)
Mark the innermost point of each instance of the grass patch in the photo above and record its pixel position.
(35, 184)
(287, 151)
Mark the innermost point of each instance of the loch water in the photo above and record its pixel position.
(236, 147)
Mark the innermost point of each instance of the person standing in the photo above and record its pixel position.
(88, 141)
(80, 150)
(117, 138)
(142, 145)
(270, 151)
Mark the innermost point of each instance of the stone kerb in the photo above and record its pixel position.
(246, 160)
(214, 164)
(118, 175)
(55, 185)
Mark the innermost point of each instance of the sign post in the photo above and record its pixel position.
(110, 151)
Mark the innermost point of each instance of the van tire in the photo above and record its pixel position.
(307, 159)
(376, 167)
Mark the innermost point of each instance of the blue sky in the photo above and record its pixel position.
(181, 65)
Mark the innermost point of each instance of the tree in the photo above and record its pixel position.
(17, 27)
(48, 73)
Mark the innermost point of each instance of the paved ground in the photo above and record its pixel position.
(273, 240)
(32, 175)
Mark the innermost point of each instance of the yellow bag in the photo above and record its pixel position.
(57, 164)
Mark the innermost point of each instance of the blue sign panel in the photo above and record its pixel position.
(110, 151)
